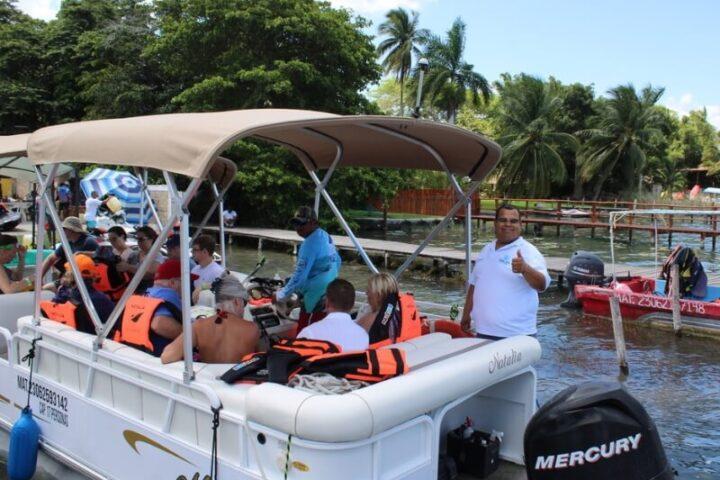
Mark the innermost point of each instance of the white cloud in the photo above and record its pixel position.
(686, 103)
(378, 6)
(42, 9)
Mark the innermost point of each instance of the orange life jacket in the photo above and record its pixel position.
(110, 281)
(410, 323)
(60, 312)
(137, 319)
(279, 362)
(369, 366)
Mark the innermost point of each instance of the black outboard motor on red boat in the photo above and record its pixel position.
(584, 268)
(594, 431)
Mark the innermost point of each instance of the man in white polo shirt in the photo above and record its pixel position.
(338, 327)
(502, 298)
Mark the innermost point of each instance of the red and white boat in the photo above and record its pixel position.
(644, 299)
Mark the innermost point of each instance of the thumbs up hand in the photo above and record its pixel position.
(518, 263)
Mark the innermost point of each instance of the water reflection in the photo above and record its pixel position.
(677, 380)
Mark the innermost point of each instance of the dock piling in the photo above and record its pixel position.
(619, 334)
(675, 298)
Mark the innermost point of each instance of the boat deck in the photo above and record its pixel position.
(556, 265)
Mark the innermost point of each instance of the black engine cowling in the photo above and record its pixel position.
(584, 268)
(595, 430)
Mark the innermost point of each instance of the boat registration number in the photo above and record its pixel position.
(650, 301)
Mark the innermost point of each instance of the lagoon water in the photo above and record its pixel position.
(676, 379)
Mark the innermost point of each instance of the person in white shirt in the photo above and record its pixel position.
(338, 327)
(91, 207)
(502, 298)
(229, 217)
(206, 270)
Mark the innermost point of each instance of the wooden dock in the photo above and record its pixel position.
(628, 225)
(384, 248)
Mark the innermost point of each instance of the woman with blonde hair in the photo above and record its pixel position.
(379, 287)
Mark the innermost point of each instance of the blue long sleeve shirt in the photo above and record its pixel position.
(317, 265)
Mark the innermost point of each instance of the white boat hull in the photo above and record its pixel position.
(118, 414)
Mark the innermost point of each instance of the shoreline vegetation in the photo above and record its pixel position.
(107, 59)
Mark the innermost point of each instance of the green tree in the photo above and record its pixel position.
(279, 53)
(24, 97)
(576, 112)
(450, 79)
(666, 172)
(402, 42)
(696, 143)
(118, 80)
(528, 109)
(617, 146)
(386, 96)
(66, 61)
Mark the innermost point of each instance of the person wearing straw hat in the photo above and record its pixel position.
(80, 242)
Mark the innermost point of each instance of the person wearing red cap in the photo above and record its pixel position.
(167, 319)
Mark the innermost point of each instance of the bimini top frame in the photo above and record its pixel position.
(190, 145)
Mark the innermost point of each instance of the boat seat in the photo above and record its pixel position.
(26, 321)
(441, 350)
(421, 342)
(358, 415)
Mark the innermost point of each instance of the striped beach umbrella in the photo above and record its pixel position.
(123, 185)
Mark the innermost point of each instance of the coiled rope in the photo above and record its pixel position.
(325, 383)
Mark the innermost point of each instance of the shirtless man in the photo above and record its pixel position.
(225, 337)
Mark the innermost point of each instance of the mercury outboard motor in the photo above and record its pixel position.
(584, 268)
(594, 431)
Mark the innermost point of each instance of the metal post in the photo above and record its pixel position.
(41, 238)
(142, 197)
(423, 65)
(147, 196)
(436, 230)
(188, 373)
(211, 210)
(675, 298)
(221, 209)
(84, 294)
(338, 156)
(345, 226)
(468, 241)
(618, 334)
(34, 221)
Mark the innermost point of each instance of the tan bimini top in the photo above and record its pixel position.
(189, 143)
(14, 162)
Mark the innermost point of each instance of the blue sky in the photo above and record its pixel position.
(672, 44)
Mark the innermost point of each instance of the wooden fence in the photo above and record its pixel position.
(439, 201)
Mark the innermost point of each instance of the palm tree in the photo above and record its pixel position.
(617, 147)
(667, 172)
(450, 78)
(403, 40)
(527, 110)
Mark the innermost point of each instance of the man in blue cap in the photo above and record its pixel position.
(318, 264)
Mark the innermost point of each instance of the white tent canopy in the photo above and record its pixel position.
(14, 162)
